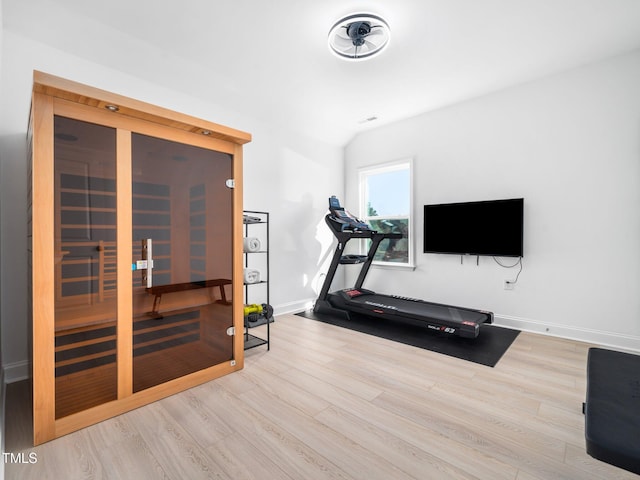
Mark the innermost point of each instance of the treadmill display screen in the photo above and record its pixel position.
(492, 228)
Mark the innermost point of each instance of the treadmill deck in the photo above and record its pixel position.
(461, 321)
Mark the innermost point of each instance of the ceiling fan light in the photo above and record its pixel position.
(359, 36)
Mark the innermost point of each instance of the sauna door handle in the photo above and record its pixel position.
(146, 264)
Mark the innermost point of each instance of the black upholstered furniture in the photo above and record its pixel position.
(612, 408)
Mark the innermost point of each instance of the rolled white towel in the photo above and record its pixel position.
(251, 244)
(251, 276)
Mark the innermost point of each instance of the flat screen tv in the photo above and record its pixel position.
(493, 228)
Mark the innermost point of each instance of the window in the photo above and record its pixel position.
(385, 203)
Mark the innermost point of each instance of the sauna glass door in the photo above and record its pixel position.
(85, 265)
(182, 214)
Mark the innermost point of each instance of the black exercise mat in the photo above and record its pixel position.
(486, 349)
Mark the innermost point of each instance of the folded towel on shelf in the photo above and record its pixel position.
(251, 276)
(251, 244)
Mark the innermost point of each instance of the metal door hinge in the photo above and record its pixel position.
(231, 183)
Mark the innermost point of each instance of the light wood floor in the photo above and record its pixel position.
(328, 403)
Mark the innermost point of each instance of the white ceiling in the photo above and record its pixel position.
(270, 60)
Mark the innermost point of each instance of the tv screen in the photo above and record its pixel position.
(475, 228)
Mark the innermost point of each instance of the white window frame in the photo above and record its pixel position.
(363, 174)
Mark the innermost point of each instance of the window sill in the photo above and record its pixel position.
(394, 266)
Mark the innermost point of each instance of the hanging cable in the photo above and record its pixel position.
(519, 262)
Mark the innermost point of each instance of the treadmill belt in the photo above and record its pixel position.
(417, 308)
(486, 349)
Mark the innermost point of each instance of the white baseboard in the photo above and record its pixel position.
(17, 371)
(597, 337)
(294, 307)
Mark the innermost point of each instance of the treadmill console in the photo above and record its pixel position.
(346, 220)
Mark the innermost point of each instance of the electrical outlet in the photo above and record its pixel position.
(508, 285)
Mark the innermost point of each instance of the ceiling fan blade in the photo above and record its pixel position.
(340, 42)
(370, 45)
(346, 51)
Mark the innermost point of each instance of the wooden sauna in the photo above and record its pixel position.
(135, 238)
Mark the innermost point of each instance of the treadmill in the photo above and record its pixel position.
(463, 322)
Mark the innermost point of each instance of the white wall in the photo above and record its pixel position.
(568, 144)
(284, 173)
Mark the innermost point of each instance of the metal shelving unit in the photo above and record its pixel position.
(258, 292)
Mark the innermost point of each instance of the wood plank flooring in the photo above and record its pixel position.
(329, 403)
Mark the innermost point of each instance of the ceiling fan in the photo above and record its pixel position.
(359, 36)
